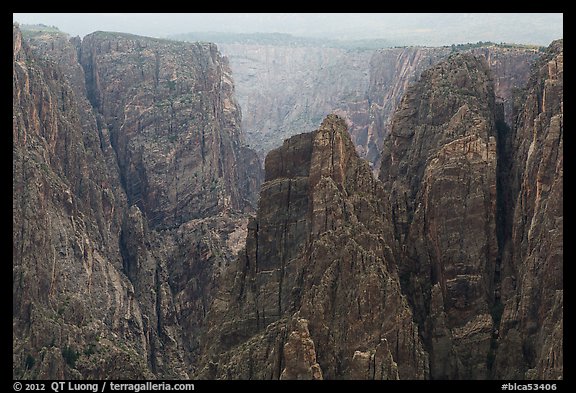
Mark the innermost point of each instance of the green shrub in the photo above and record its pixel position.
(30, 361)
(70, 356)
(90, 349)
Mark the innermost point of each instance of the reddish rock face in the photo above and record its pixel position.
(174, 124)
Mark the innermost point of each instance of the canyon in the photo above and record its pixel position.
(285, 88)
(131, 175)
(414, 233)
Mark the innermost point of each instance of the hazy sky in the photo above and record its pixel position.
(424, 29)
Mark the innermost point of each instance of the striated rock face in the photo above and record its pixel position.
(174, 125)
(74, 310)
(531, 327)
(439, 168)
(316, 293)
(285, 90)
(98, 292)
(476, 207)
(510, 69)
(391, 72)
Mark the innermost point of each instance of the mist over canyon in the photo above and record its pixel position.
(269, 207)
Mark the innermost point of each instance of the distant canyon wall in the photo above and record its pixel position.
(283, 90)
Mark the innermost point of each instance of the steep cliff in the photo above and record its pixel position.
(531, 328)
(391, 72)
(439, 169)
(174, 124)
(316, 293)
(98, 291)
(74, 311)
(477, 209)
(286, 89)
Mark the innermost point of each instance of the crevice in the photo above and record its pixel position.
(124, 254)
(284, 249)
(156, 71)
(283, 339)
(504, 209)
(96, 99)
(159, 303)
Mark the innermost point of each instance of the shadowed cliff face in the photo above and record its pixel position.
(531, 328)
(174, 125)
(316, 293)
(74, 311)
(392, 71)
(510, 69)
(98, 293)
(439, 168)
(476, 207)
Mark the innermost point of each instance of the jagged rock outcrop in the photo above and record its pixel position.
(391, 71)
(284, 89)
(174, 125)
(477, 209)
(74, 310)
(531, 329)
(300, 354)
(98, 292)
(320, 250)
(439, 169)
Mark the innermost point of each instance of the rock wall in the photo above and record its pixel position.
(316, 294)
(284, 90)
(99, 289)
(476, 207)
(439, 168)
(74, 310)
(531, 329)
(133, 257)
(174, 124)
(391, 72)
